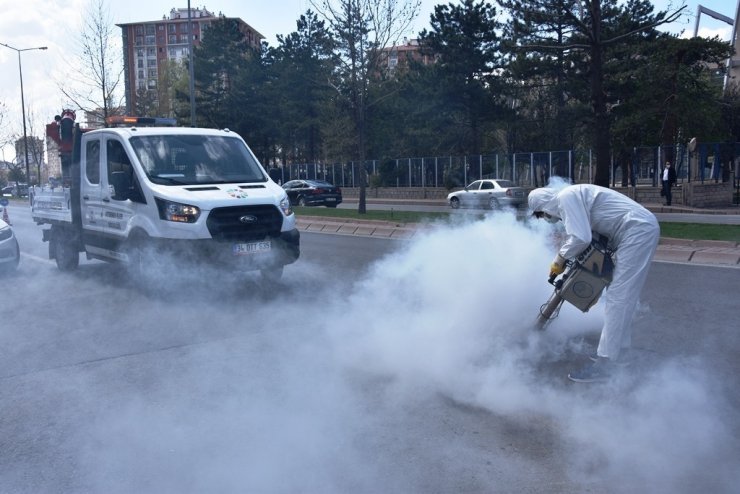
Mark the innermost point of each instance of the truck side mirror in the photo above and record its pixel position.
(121, 183)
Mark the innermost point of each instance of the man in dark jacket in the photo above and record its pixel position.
(669, 178)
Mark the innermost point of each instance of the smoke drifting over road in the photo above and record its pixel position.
(424, 375)
(456, 310)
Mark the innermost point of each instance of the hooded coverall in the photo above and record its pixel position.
(633, 234)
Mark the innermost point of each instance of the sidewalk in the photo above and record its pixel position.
(699, 252)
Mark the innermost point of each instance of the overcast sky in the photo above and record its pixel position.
(56, 25)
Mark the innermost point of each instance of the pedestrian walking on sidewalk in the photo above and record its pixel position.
(669, 178)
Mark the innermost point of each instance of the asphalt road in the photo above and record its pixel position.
(378, 366)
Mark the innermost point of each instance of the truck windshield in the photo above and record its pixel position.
(196, 159)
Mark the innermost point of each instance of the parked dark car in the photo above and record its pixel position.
(313, 193)
(20, 190)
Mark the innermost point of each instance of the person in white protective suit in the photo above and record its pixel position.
(633, 234)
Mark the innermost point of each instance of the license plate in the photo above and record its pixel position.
(251, 248)
(330, 199)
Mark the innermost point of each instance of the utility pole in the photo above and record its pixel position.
(191, 68)
(23, 110)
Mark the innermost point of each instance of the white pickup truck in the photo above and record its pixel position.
(134, 194)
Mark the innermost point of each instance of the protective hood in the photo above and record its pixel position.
(544, 199)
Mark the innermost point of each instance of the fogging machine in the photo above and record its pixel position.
(583, 281)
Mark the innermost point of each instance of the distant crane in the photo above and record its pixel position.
(700, 9)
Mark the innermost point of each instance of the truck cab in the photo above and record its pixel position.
(196, 195)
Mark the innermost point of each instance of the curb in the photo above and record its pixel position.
(677, 250)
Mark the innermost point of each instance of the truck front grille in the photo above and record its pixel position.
(244, 223)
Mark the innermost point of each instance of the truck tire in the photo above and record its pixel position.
(139, 251)
(66, 252)
(146, 266)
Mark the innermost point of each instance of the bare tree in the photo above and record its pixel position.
(35, 145)
(364, 29)
(95, 87)
(4, 128)
(8, 137)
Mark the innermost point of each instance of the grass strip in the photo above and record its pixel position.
(691, 231)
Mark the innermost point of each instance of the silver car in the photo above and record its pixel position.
(488, 193)
(10, 254)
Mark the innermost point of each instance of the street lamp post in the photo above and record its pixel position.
(23, 109)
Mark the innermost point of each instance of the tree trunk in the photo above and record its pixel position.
(598, 101)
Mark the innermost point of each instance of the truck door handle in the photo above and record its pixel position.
(86, 198)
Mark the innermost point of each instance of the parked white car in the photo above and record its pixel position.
(488, 193)
(10, 253)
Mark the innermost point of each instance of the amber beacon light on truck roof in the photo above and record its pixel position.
(124, 121)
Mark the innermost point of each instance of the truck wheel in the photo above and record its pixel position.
(146, 264)
(493, 203)
(66, 253)
(139, 253)
(455, 203)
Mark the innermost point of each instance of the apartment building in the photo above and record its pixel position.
(401, 56)
(149, 45)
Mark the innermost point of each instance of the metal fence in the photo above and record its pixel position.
(716, 162)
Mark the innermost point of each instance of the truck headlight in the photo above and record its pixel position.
(285, 206)
(174, 211)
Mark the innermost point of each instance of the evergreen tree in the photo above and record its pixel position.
(219, 61)
(593, 28)
(300, 69)
(362, 30)
(542, 86)
(464, 82)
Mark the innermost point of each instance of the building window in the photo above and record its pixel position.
(141, 74)
(139, 40)
(152, 72)
(171, 28)
(172, 39)
(184, 28)
(140, 52)
(152, 83)
(150, 29)
(150, 40)
(151, 51)
(160, 27)
(183, 38)
(139, 29)
(151, 62)
(140, 63)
